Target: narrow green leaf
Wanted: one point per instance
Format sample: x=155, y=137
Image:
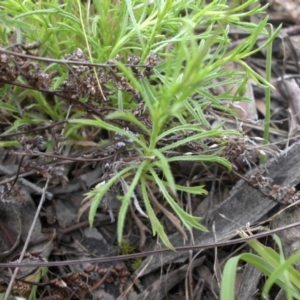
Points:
x=165, y=167
x=100, y=192
x=155, y=224
x=198, y=137
x=202, y=158
x=229, y=274
x=188, y=220
x=126, y=200
x=128, y=116
x=102, y=124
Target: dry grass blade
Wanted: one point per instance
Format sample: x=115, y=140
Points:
x=8, y=290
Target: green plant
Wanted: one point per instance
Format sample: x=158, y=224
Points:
x=188, y=69
x=136, y=263
x=273, y=265
x=126, y=247
x=184, y=65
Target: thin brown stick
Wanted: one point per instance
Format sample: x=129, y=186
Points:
x=65, y=62
x=148, y=253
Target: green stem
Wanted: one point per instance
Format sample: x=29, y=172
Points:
x=268, y=95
